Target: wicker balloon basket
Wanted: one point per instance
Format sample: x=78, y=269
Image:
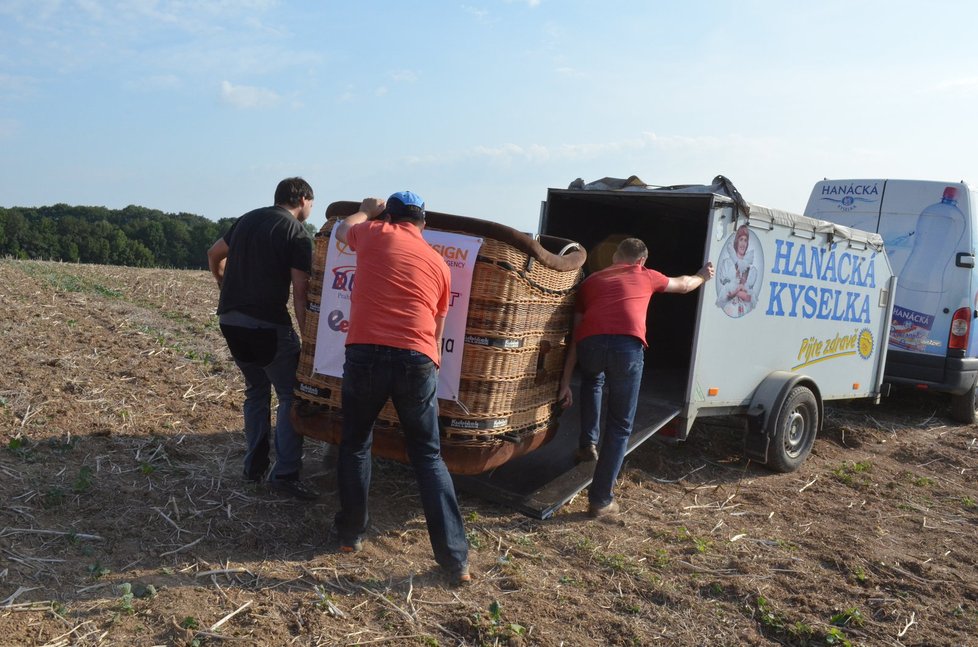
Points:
x=520, y=313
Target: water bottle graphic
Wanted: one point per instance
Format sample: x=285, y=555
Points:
x=921, y=281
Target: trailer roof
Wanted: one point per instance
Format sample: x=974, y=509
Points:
x=799, y=223
x=722, y=190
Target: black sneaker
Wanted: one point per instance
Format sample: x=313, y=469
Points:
x=255, y=475
x=253, y=478
x=293, y=488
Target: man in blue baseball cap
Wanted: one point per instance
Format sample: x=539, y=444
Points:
x=393, y=350
x=405, y=205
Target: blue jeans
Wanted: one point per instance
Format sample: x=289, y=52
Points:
x=615, y=361
x=260, y=377
x=371, y=374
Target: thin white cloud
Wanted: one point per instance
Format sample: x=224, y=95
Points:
x=381, y=91
x=233, y=60
x=965, y=83
x=247, y=96
x=482, y=15
x=28, y=12
x=404, y=76
x=92, y=7
x=192, y=15
x=233, y=36
x=536, y=153
x=508, y=154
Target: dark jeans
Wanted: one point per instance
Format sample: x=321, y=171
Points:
x=267, y=355
x=615, y=361
x=371, y=374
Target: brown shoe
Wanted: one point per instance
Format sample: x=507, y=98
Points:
x=459, y=576
x=586, y=454
x=609, y=510
x=354, y=546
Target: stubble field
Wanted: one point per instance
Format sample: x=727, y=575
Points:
x=124, y=521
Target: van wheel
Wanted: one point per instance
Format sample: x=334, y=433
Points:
x=794, y=431
x=963, y=407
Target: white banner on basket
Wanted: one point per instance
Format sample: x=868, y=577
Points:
x=459, y=252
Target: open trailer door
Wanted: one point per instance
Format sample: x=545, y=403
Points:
x=675, y=226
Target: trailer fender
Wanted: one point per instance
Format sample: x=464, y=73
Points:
x=765, y=407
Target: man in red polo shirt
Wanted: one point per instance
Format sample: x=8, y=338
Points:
x=399, y=303
x=609, y=347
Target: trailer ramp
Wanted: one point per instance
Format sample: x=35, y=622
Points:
x=538, y=483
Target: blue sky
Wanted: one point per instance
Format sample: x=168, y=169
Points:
x=479, y=105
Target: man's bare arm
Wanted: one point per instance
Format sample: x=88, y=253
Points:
x=684, y=284
x=300, y=288
x=439, y=331
x=564, y=395
x=216, y=256
x=370, y=208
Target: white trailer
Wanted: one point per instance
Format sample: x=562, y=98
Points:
x=798, y=314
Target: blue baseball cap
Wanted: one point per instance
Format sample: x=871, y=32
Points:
x=405, y=205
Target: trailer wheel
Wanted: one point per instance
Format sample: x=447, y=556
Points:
x=794, y=432
x=963, y=407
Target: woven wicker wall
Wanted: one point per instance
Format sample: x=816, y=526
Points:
x=520, y=314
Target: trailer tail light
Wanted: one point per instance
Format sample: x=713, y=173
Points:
x=960, y=329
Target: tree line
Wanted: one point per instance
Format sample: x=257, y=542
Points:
x=134, y=236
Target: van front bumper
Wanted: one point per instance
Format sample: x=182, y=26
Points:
x=955, y=375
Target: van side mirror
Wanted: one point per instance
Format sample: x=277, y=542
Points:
x=964, y=259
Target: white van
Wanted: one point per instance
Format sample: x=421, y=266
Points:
x=929, y=232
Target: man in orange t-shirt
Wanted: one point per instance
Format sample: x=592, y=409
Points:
x=609, y=346
x=399, y=303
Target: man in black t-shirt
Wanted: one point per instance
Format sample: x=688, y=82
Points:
x=264, y=253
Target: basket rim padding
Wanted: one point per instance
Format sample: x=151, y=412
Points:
x=573, y=257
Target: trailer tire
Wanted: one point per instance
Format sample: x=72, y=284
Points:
x=794, y=430
x=963, y=406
